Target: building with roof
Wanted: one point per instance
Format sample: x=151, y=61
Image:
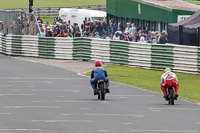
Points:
x=154, y=13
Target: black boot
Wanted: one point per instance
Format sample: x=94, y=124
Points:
x=95, y=91
x=107, y=90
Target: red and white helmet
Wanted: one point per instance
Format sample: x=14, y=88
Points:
x=97, y=63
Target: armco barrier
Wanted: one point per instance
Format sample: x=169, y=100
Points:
x=46, y=47
x=30, y=46
x=82, y=48
x=1, y=42
x=140, y=55
x=119, y=51
x=161, y=56
x=184, y=59
x=198, y=60
x=63, y=48
x=100, y=50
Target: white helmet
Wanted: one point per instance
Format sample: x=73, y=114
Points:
x=167, y=70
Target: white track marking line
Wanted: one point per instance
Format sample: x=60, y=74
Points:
x=123, y=115
x=127, y=123
x=16, y=107
x=17, y=94
x=155, y=110
x=37, y=101
x=191, y=109
x=85, y=108
x=20, y=129
x=5, y=85
x=76, y=101
x=198, y=123
x=39, y=78
x=103, y=130
x=54, y=90
x=73, y=121
x=60, y=96
x=5, y=113
x=66, y=114
x=31, y=86
x=174, y=131
x=131, y=95
x=28, y=81
x=123, y=97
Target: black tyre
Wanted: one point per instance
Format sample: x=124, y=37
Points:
x=102, y=92
x=171, y=96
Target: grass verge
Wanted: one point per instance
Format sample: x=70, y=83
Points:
x=13, y=4
x=189, y=85
x=193, y=1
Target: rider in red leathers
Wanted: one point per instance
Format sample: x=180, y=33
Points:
x=169, y=79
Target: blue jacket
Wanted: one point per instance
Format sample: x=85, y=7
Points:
x=98, y=73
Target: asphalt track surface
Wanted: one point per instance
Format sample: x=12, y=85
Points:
x=37, y=98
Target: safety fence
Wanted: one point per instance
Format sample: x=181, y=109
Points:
x=180, y=58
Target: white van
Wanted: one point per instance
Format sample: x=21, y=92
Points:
x=79, y=15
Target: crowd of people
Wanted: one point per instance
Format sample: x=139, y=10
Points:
x=99, y=29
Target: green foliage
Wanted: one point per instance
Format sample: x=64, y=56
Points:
x=13, y=4
x=193, y=1
x=189, y=85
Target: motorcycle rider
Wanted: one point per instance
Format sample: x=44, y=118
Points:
x=99, y=73
x=169, y=79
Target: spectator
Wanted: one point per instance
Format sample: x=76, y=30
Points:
x=76, y=31
x=137, y=37
x=59, y=20
x=109, y=37
x=132, y=31
x=1, y=27
x=128, y=37
x=153, y=37
x=39, y=19
x=120, y=33
x=162, y=39
x=62, y=34
x=41, y=34
x=148, y=37
x=116, y=36
x=49, y=33
x=63, y=27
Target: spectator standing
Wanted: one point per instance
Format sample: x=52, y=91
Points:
x=49, y=33
x=1, y=27
x=132, y=31
x=154, y=37
x=116, y=36
x=148, y=37
x=39, y=19
x=120, y=33
x=62, y=34
x=162, y=39
x=59, y=20
x=137, y=37
x=63, y=27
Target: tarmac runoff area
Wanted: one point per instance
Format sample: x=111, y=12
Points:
x=37, y=96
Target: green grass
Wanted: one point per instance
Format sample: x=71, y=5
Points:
x=189, y=85
x=13, y=4
x=193, y=1
x=49, y=19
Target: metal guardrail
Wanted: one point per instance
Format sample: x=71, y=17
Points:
x=180, y=58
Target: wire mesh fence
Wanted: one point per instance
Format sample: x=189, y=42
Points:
x=18, y=23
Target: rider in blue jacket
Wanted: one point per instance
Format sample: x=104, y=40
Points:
x=99, y=73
